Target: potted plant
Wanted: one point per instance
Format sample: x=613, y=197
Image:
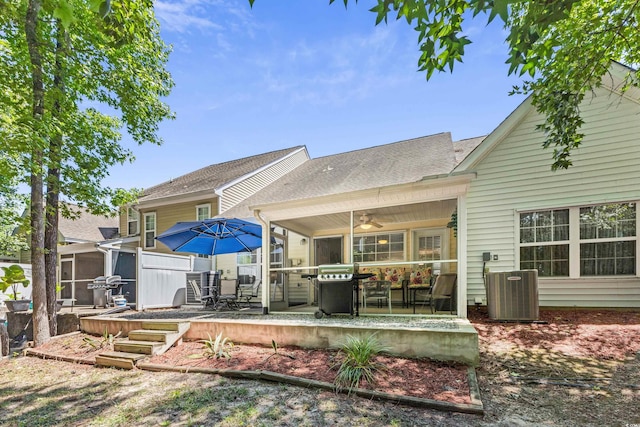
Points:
x=13, y=277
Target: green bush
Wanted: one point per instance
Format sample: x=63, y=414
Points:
x=358, y=363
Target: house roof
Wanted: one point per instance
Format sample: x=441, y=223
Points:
x=86, y=227
x=214, y=176
x=380, y=166
x=465, y=146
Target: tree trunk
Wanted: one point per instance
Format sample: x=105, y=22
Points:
x=53, y=185
x=40, y=321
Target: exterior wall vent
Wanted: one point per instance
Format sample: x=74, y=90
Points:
x=513, y=295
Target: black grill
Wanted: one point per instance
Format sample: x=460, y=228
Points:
x=338, y=289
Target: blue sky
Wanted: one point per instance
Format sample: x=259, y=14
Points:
x=303, y=72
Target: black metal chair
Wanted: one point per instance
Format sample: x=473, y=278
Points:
x=376, y=289
x=248, y=288
x=228, y=295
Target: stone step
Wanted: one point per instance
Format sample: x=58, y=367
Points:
x=152, y=335
x=141, y=347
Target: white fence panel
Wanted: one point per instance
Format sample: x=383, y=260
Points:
x=24, y=293
x=162, y=279
x=203, y=264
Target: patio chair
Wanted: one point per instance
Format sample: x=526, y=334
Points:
x=228, y=295
x=376, y=289
x=248, y=288
x=196, y=289
x=412, y=291
x=443, y=290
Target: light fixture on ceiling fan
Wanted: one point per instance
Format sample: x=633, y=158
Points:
x=366, y=222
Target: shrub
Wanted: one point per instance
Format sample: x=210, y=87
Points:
x=358, y=363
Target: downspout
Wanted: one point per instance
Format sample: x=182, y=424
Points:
x=266, y=283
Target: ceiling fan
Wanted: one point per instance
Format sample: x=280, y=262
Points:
x=366, y=222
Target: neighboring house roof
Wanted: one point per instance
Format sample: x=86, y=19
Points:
x=86, y=227
x=214, y=176
x=375, y=167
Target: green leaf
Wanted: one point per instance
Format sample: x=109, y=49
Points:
x=94, y=5
x=105, y=8
x=64, y=12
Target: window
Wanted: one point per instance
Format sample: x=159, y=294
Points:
x=244, y=258
x=150, y=230
x=378, y=247
x=427, y=247
x=583, y=241
x=607, y=240
x=203, y=212
x=132, y=222
x=544, y=239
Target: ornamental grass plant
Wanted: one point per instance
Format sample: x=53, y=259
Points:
x=358, y=362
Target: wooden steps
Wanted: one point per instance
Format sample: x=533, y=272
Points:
x=154, y=338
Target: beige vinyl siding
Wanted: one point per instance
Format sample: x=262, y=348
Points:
x=124, y=231
x=247, y=187
x=516, y=176
x=168, y=215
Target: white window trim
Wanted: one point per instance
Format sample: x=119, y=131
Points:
x=204, y=205
x=574, y=239
x=137, y=221
x=378, y=232
x=155, y=228
x=431, y=232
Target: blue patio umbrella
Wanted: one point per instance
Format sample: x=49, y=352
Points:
x=213, y=236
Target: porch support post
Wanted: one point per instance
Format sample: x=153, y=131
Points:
x=462, y=256
x=266, y=247
x=350, y=248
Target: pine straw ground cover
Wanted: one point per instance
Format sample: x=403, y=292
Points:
x=579, y=367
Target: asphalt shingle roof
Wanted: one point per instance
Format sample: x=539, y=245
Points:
x=213, y=176
x=464, y=147
x=87, y=227
x=380, y=166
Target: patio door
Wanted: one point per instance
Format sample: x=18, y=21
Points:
x=328, y=250
x=66, y=277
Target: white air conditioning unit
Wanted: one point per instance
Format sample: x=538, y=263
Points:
x=513, y=295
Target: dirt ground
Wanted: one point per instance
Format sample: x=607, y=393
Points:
x=571, y=368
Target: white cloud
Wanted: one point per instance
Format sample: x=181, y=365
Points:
x=183, y=15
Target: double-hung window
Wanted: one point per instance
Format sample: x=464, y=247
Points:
x=133, y=217
x=150, y=230
x=203, y=212
x=598, y=240
x=544, y=242
x=608, y=240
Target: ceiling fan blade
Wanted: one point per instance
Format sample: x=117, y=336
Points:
x=375, y=224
